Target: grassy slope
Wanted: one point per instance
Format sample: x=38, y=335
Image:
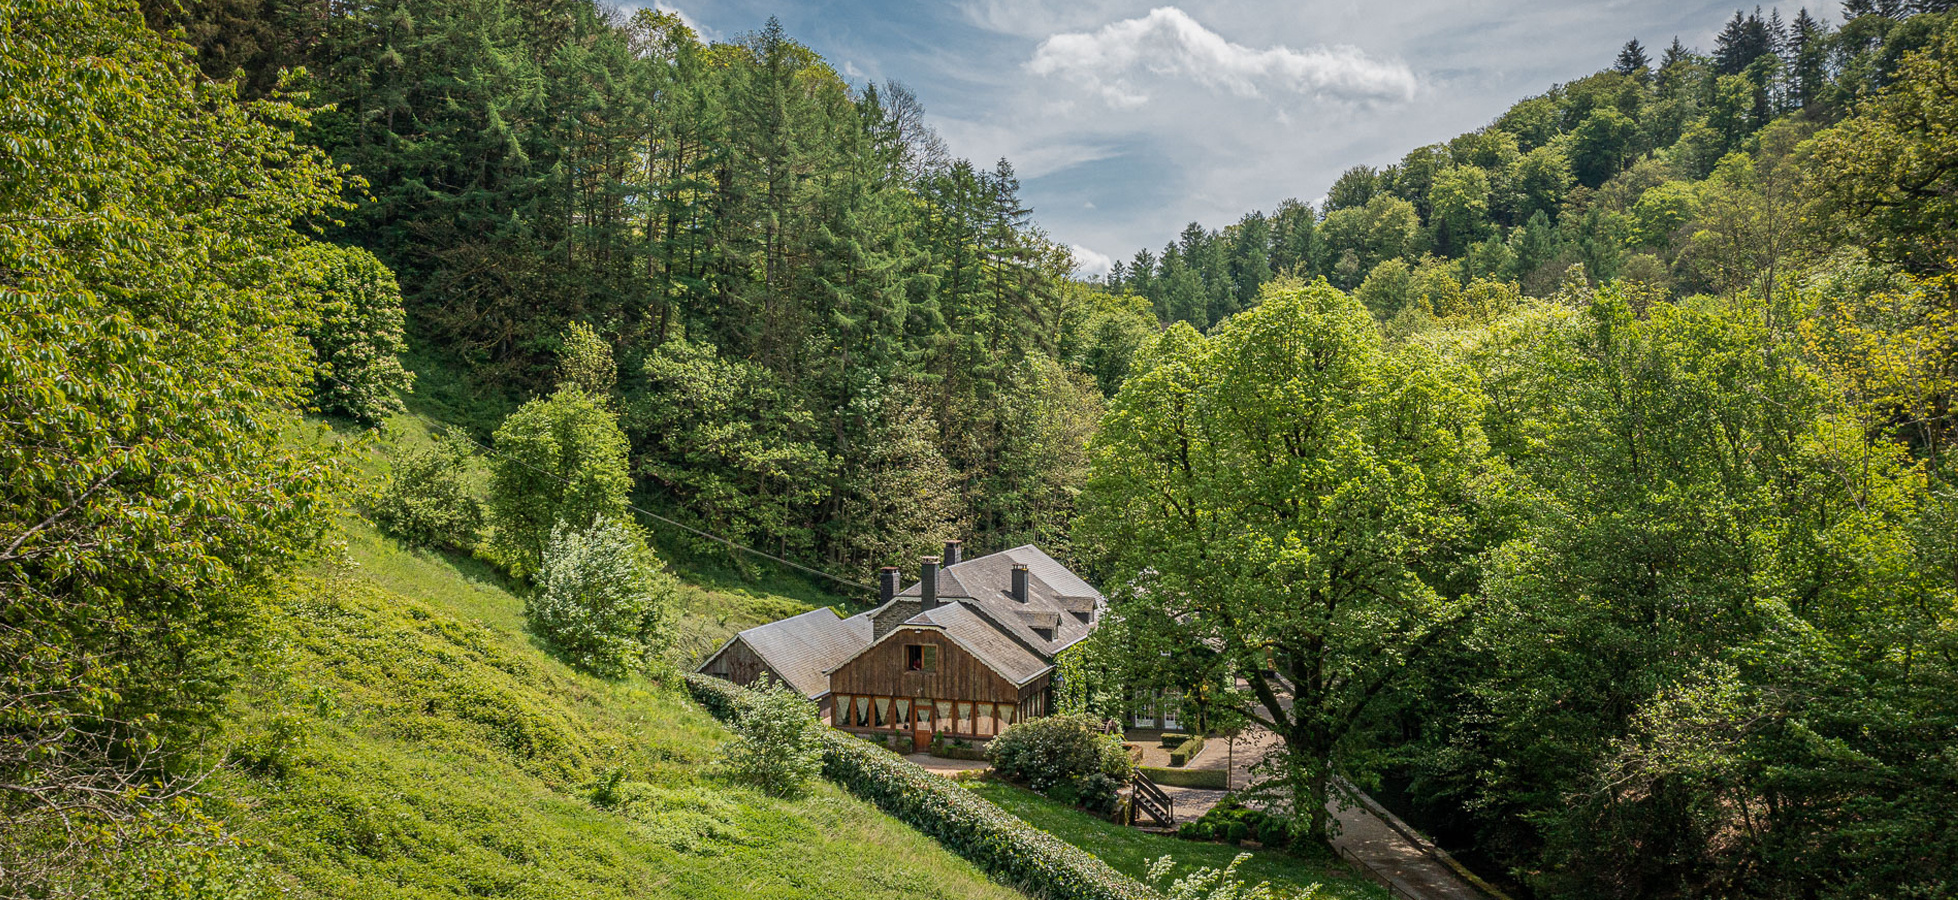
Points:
x=1131, y=851
x=408, y=740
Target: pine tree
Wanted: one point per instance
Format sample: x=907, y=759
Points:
x=1633, y=61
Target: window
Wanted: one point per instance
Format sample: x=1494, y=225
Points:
x=920, y=658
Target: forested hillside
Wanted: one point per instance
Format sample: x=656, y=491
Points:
x=833, y=340
x=1586, y=479
x=1583, y=483
x=1679, y=170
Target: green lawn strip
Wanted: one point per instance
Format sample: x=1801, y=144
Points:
x=1131, y=850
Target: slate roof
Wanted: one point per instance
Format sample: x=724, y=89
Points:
x=976, y=609
x=802, y=649
x=1054, y=594
x=978, y=636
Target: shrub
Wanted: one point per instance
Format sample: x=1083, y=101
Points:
x=998, y=842
x=1173, y=738
x=1275, y=832
x=1209, y=779
x=355, y=329
x=1098, y=792
x=558, y=459
x=777, y=743
x=1056, y=750
x=1186, y=751
x=603, y=600
x=427, y=501
x=1230, y=821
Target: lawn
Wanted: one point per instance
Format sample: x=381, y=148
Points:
x=1131, y=850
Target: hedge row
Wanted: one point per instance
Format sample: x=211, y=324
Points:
x=1186, y=751
x=1211, y=779
x=1008, y=849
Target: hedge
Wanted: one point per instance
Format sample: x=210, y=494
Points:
x=1005, y=847
x=1186, y=751
x=1212, y=779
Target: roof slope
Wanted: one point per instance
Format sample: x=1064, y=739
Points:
x=803, y=648
x=1054, y=595
x=1000, y=653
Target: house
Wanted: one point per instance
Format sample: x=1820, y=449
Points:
x=966, y=651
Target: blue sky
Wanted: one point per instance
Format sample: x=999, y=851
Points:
x=1127, y=120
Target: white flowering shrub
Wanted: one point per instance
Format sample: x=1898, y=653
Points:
x=603, y=599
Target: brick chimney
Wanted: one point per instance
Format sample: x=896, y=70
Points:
x=1020, y=583
x=887, y=585
x=953, y=556
x=928, y=583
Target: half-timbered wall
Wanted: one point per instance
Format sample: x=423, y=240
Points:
x=962, y=696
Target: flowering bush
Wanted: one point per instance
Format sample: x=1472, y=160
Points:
x=1065, y=757
x=603, y=599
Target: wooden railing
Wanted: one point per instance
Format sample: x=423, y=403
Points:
x=1146, y=796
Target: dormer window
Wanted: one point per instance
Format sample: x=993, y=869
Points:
x=920, y=658
x=1046, y=634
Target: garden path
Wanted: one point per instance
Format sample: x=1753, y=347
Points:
x=1368, y=834
x=941, y=766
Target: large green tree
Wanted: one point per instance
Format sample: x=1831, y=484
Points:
x=1289, y=494
x=558, y=459
x=152, y=295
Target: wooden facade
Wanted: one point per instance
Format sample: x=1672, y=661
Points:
x=739, y=663
x=882, y=689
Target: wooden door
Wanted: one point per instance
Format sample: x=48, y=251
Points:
x=921, y=729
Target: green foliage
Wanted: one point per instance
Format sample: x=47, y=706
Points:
x=1210, y=884
x=1090, y=678
x=777, y=743
x=585, y=362
x=552, y=177
x=603, y=599
x=1285, y=493
x=1186, y=750
x=1006, y=847
x=152, y=295
x=720, y=438
x=1893, y=172
x=1134, y=851
x=1232, y=822
x=558, y=459
x=429, y=499
x=1057, y=751
x=355, y=327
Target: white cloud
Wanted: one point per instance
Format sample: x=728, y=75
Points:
x=705, y=33
x=1169, y=43
x=1088, y=262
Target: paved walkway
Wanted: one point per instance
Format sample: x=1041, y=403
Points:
x=1394, y=852
x=1368, y=834
x=940, y=766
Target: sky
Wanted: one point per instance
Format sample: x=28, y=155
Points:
x=1127, y=120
